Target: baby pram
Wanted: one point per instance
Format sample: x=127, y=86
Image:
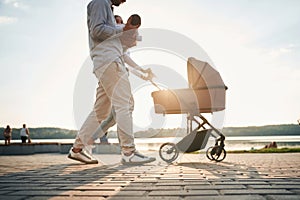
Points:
x=206, y=94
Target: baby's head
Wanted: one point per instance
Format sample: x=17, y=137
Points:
x=135, y=20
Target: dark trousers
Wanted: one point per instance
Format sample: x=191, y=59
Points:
x=23, y=138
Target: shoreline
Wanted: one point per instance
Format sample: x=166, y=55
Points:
x=269, y=150
x=113, y=148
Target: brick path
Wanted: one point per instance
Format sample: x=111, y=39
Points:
x=239, y=176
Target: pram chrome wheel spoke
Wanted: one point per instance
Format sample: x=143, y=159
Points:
x=216, y=153
x=168, y=152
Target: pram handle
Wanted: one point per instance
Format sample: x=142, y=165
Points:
x=141, y=76
x=155, y=84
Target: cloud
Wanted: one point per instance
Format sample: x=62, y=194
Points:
x=282, y=51
x=7, y=20
x=16, y=4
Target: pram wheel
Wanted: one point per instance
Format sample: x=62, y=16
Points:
x=168, y=152
x=216, y=153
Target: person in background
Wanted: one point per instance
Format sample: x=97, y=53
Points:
x=271, y=145
x=24, y=133
x=119, y=19
x=7, y=135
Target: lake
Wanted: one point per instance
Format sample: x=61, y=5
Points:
x=231, y=143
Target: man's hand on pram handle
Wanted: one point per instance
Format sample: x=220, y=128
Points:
x=149, y=77
x=150, y=74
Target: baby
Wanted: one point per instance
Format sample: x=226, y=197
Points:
x=129, y=38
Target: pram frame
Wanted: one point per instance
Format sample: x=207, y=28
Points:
x=170, y=151
x=191, y=119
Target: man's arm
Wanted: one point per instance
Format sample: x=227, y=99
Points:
x=98, y=28
x=131, y=63
x=135, y=68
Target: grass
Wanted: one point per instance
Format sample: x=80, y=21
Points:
x=269, y=150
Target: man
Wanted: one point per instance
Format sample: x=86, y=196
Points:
x=134, y=68
x=113, y=85
x=24, y=133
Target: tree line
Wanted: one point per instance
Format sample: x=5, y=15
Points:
x=59, y=133
x=43, y=133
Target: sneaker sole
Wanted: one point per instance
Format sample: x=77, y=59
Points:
x=137, y=163
x=92, y=162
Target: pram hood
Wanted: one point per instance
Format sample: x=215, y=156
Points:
x=202, y=75
x=206, y=92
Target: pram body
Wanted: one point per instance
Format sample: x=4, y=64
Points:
x=206, y=94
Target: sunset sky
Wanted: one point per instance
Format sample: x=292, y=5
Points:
x=255, y=46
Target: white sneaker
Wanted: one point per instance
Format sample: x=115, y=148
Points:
x=89, y=149
x=136, y=158
x=82, y=156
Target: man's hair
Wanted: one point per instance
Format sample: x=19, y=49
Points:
x=135, y=20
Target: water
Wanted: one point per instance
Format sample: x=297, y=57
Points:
x=231, y=143
x=258, y=142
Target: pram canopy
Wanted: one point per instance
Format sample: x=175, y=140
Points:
x=202, y=75
x=206, y=92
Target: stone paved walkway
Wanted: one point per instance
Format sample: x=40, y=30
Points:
x=193, y=176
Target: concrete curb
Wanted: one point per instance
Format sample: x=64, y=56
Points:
x=63, y=148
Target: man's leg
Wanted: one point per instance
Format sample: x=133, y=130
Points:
x=84, y=137
x=89, y=126
x=117, y=87
x=101, y=131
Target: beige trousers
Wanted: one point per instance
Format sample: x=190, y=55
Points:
x=113, y=90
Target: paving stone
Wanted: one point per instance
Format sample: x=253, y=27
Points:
x=192, y=182
x=296, y=191
x=130, y=193
x=104, y=193
x=89, y=193
x=92, y=187
x=274, y=186
x=64, y=198
x=8, y=197
x=232, y=182
x=175, y=183
x=4, y=192
x=145, y=198
x=146, y=180
x=184, y=193
x=28, y=188
x=151, y=188
x=37, y=193
x=214, y=187
x=257, y=191
x=284, y=183
x=283, y=197
x=229, y=197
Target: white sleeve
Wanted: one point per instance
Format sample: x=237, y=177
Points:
x=130, y=62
